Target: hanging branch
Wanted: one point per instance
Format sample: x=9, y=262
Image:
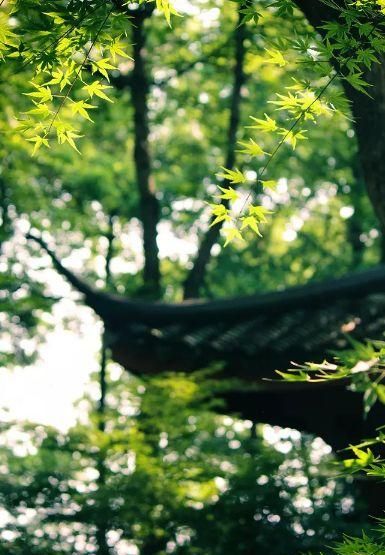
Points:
x=368, y=111
x=196, y=277
x=78, y=72
x=76, y=282
x=301, y=107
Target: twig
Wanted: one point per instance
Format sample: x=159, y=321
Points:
x=56, y=41
x=78, y=73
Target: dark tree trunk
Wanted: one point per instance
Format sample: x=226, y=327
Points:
x=368, y=113
x=369, y=121
x=152, y=546
x=382, y=247
x=102, y=526
x=101, y=541
x=110, y=236
x=354, y=225
x=5, y=223
x=149, y=205
x=369, y=118
x=195, y=279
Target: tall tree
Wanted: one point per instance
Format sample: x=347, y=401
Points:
x=196, y=276
x=149, y=205
x=367, y=109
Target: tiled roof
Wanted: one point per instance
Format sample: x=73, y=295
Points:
x=249, y=338
x=253, y=335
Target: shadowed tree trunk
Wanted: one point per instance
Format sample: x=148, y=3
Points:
x=382, y=247
x=153, y=545
x=369, y=122
x=149, y=205
x=369, y=116
x=4, y=215
x=368, y=113
x=196, y=277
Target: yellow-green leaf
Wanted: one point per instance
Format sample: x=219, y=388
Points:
x=228, y=193
x=97, y=89
x=268, y=184
x=102, y=66
x=81, y=108
x=276, y=57
x=234, y=176
x=221, y=213
x=266, y=125
x=259, y=212
x=251, y=148
x=38, y=143
x=251, y=222
x=230, y=234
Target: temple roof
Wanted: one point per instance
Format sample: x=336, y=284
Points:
x=250, y=337
x=257, y=333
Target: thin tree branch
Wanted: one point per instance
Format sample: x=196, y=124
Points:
x=125, y=81
x=188, y=66
x=76, y=282
x=101, y=527
x=103, y=358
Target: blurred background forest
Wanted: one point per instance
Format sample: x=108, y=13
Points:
x=149, y=465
